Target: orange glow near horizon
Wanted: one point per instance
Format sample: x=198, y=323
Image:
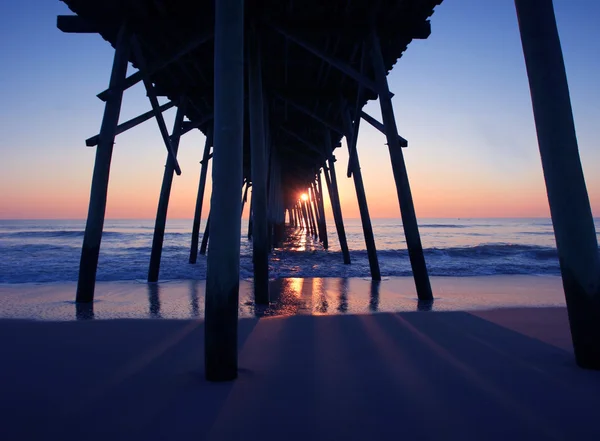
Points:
x=304, y=197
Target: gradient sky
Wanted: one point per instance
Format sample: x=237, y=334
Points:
x=461, y=99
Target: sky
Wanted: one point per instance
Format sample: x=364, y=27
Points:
x=461, y=99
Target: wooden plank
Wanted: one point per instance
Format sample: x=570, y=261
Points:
x=73, y=24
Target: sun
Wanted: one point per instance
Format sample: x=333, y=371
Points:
x=304, y=197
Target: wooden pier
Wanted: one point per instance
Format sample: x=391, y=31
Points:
x=275, y=86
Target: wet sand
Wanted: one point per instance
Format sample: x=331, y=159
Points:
x=316, y=296
x=492, y=374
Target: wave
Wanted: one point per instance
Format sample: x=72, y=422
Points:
x=444, y=226
x=50, y=234
x=53, y=263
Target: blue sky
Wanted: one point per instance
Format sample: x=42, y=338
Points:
x=461, y=99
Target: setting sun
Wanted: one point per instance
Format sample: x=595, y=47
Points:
x=304, y=197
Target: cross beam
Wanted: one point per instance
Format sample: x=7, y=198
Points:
x=379, y=126
x=306, y=111
x=135, y=78
x=307, y=143
x=137, y=51
x=338, y=64
x=93, y=141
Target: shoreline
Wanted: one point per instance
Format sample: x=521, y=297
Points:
x=184, y=299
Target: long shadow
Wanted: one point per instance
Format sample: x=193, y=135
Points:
x=154, y=300
x=343, y=296
x=374, y=299
x=84, y=311
x=194, y=301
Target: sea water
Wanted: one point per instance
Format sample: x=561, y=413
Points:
x=49, y=250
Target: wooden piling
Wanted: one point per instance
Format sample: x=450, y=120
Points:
x=361, y=198
x=163, y=201
x=336, y=208
x=250, y=216
x=205, y=237
x=407, y=208
x=308, y=226
x=322, y=211
x=313, y=206
x=317, y=211
x=311, y=216
x=95, y=220
x=200, y=198
x=223, y=269
x=260, y=244
x=572, y=218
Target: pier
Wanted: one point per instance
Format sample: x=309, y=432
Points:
x=275, y=86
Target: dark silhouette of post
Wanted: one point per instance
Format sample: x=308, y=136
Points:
x=336, y=208
x=361, y=198
x=163, y=201
x=200, y=198
x=319, y=187
x=97, y=208
x=205, y=236
x=407, y=208
x=313, y=207
x=250, y=216
x=223, y=268
x=260, y=250
x=307, y=225
x=311, y=215
x=572, y=219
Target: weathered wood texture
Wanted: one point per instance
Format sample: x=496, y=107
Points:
x=163, y=202
x=574, y=228
x=97, y=208
x=200, y=198
x=223, y=266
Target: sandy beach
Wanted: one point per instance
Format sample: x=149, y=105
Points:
x=487, y=373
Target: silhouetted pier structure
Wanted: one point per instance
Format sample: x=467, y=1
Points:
x=275, y=85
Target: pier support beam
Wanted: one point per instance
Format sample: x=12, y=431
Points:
x=311, y=215
x=200, y=198
x=322, y=211
x=361, y=198
x=163, y=201
x=205, y=236
x=251, y=215
x=223, y=268
x=97, y=208
x=336, y=207
x=572, y=219
x=407, y=208
x=260, y=243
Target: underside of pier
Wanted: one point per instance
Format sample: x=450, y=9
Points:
x=275, y=85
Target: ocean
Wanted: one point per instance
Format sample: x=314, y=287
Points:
x=41, y=251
